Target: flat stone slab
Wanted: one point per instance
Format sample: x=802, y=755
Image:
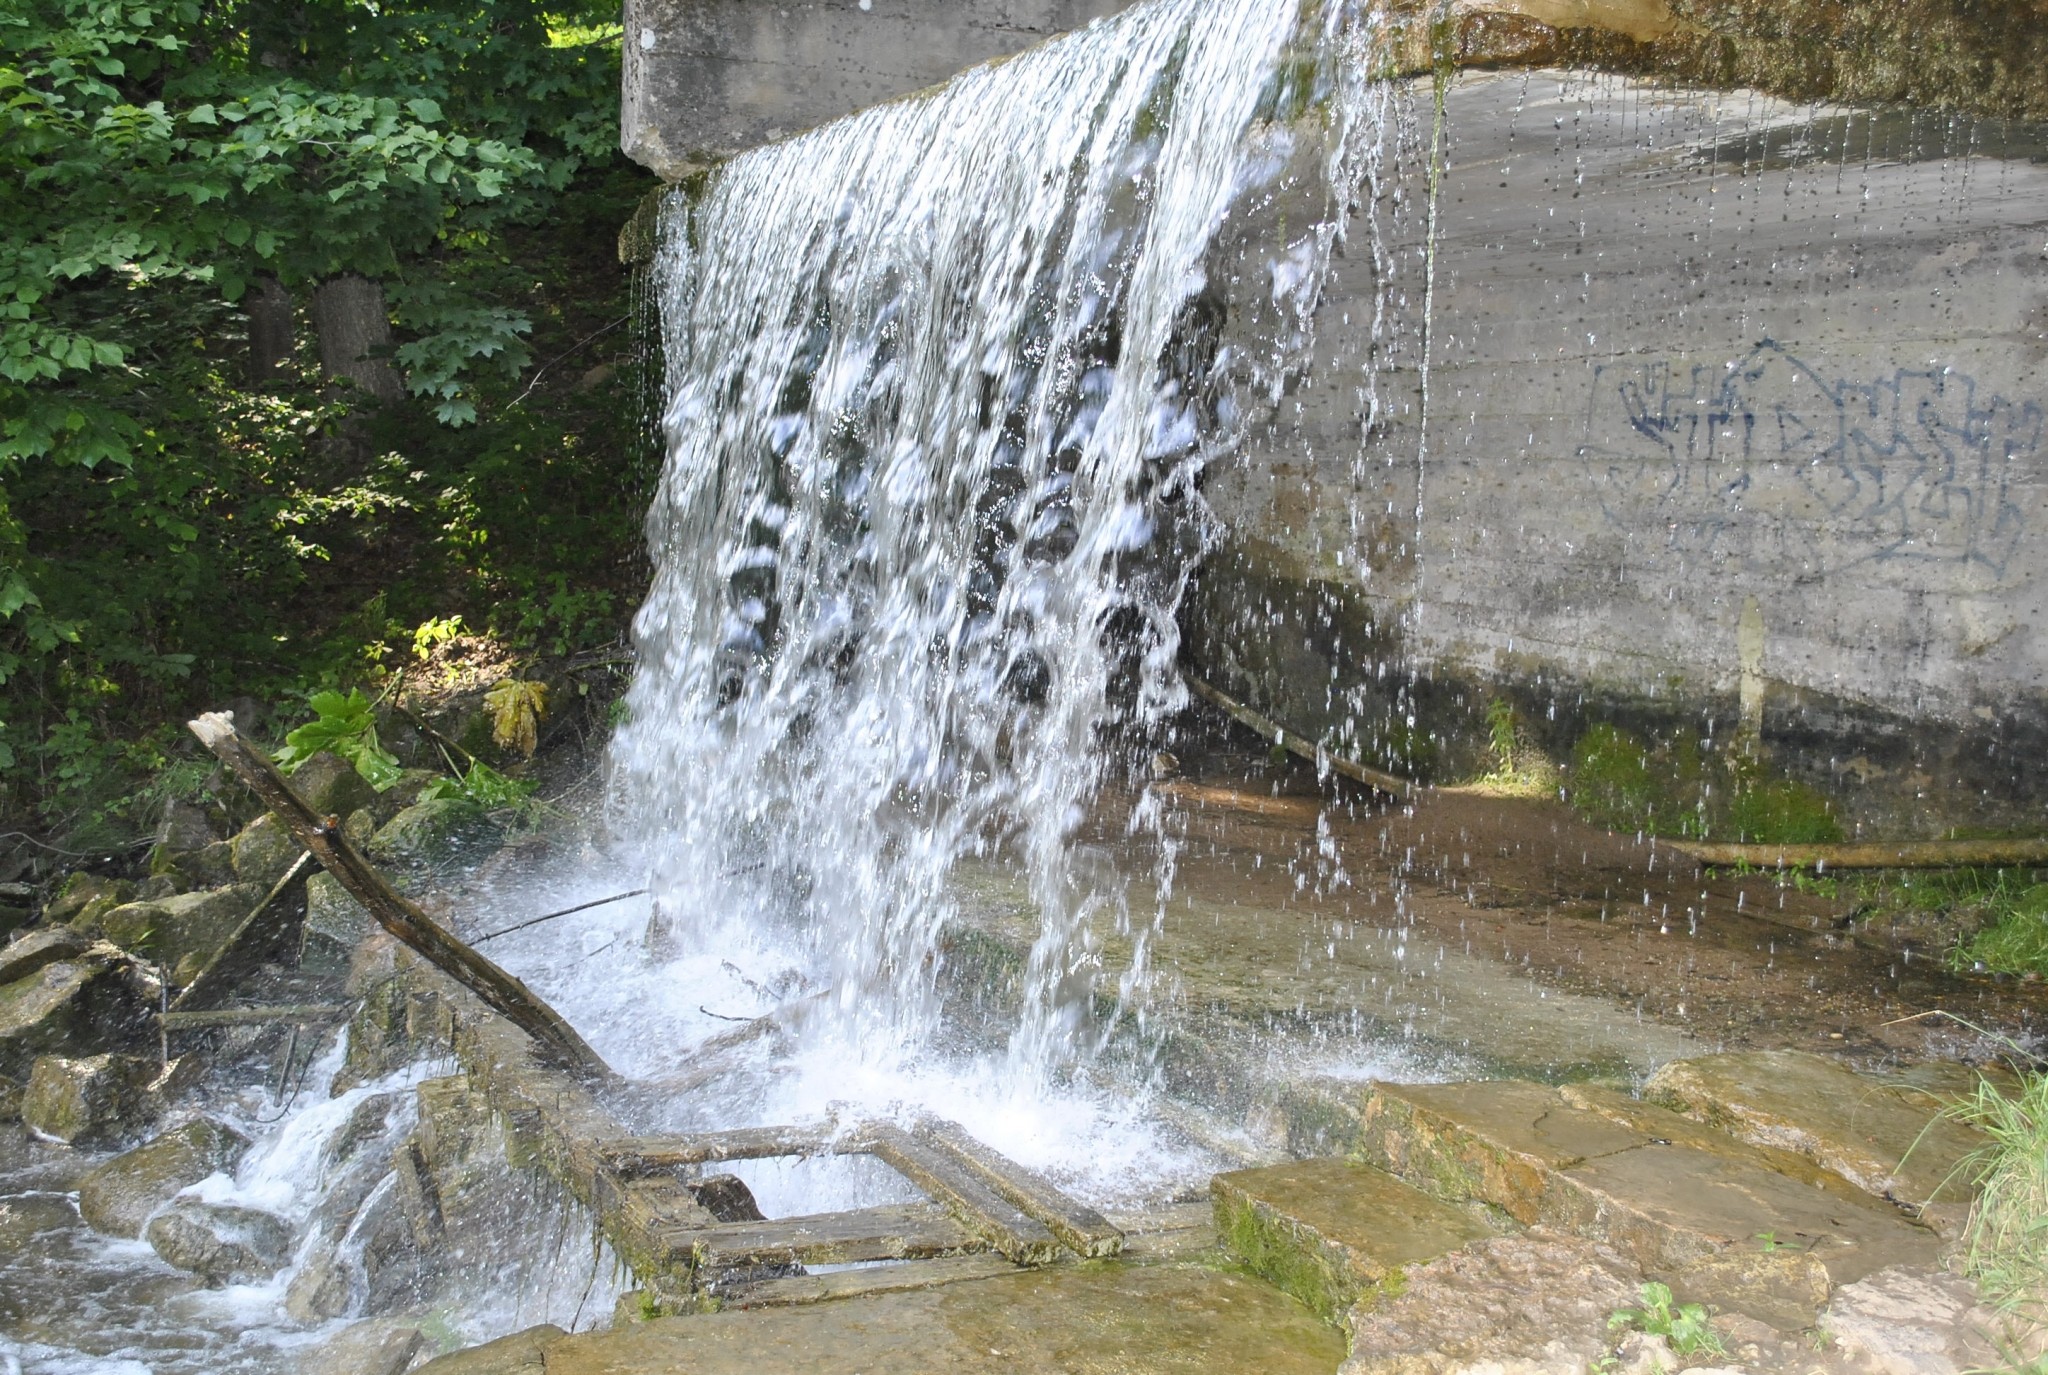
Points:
x=1760, y=1231
x=1331, y=1232
x=1887, y=1138
x=1099, y=1318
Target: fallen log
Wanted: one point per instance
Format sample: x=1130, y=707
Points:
x=555, y=1039
x=1907, y=854
x=1298, y=744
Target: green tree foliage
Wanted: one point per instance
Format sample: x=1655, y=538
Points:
x=175, y=528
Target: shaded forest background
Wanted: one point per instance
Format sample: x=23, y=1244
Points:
x=314, y=351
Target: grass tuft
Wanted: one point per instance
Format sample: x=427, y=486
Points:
x=2005, y=1243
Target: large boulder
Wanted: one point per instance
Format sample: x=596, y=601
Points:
x=169, y=930
x=10, y=1099
x=32, y=952
x=87, y=1100
x=263, y=851
x=85, y=898
x=79, y=1006
x=447, y=830
x=17, y=907
x=219, y=1242
x=117, y=1197
x=330, y=785
x=187, y=826
x=333, y=917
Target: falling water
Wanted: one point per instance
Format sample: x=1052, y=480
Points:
x=942, y=377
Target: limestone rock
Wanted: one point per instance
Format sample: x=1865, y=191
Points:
x=186, y=826
x=427, y=834
x=263, y=851
x=210, y=866
x=331, y=913
x=219, y=1242
x=330, y=785
x=1911, y=1321
x=187, y=924
x=380, y=1346
x=118, y=1196
x=1888, y=1139
x=32, y=952
x=1530, y=1303
x=1329, y=1231
x=522, y=1353
x=10, y=1099
x=404, y=793
x=81, y=1101
x=84, y=896
x=80, y=1006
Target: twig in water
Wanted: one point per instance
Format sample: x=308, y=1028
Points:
x=722, y=1017
x=580, y=907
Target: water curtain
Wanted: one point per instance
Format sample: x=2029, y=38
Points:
x=941, y=379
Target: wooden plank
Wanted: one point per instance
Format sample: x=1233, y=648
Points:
x=1084, y=1231
x=653, y=1154
x=1910, y=854
x=1016, y=1234
x=396, y=913
x=253, y=1016
x=901, y=1231
x=1299, y=744
x=256, y=938
x=796, y=1290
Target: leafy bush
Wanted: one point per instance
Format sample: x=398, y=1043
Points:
x=346, y=725
x=1685, y=1326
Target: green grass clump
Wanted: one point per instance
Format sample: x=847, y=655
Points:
x=1612, y=780
x=1781, y=811
x=2006, y=1239
x=2016, y=940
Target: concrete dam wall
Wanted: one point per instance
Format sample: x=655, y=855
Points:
x=1734, y=435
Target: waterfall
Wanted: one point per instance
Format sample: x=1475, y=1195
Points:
x=941, y=379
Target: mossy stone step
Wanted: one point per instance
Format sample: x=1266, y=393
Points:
x=1890, y=1139
x=1331, y=1232
x=1723, y=1221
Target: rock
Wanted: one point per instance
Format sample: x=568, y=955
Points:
x=88, y=1100
x=1330, y=1231
x=263, y=851
x=10, y=1099
x=219, y=1242
x=522, y=1353
x=360, y=828
x=187, y=924
x=210, y=866
x=1686, y=1206
x=1909, y=1321
x=32, y=952
x=84, y=898
x=404, y=793
x=1530, y=1303
x=333, y=914
x=427, y=834
x=14, y=917
x=1890, y=1140
x=380, y=1346
x=76, y=1007
x=117, y=1197
x=186, y=826
x=369, y=1121
x=330, y=785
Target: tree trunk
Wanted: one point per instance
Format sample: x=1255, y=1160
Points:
x=271, y=333
x=351, y=321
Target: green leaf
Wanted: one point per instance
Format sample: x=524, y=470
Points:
x=424, y=110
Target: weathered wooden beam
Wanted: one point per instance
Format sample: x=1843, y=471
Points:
x=395, y=912
x=253, y=1016
x=254, y=940
x=1006, y=1227
x=898, y=1231
x=1298, y=744
x=1907, y=854
x=654, y=1154
x=1084, y=1231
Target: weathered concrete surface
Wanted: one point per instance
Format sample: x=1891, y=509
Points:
x=707, y=78
x=1332, y=1231
x=1103, y=1318
x=1736, y=432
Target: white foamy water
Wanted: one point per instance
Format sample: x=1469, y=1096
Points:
x=942, y=377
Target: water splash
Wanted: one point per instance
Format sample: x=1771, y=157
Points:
x=942, y=377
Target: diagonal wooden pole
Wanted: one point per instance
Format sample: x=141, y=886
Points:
x=556, y=1040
